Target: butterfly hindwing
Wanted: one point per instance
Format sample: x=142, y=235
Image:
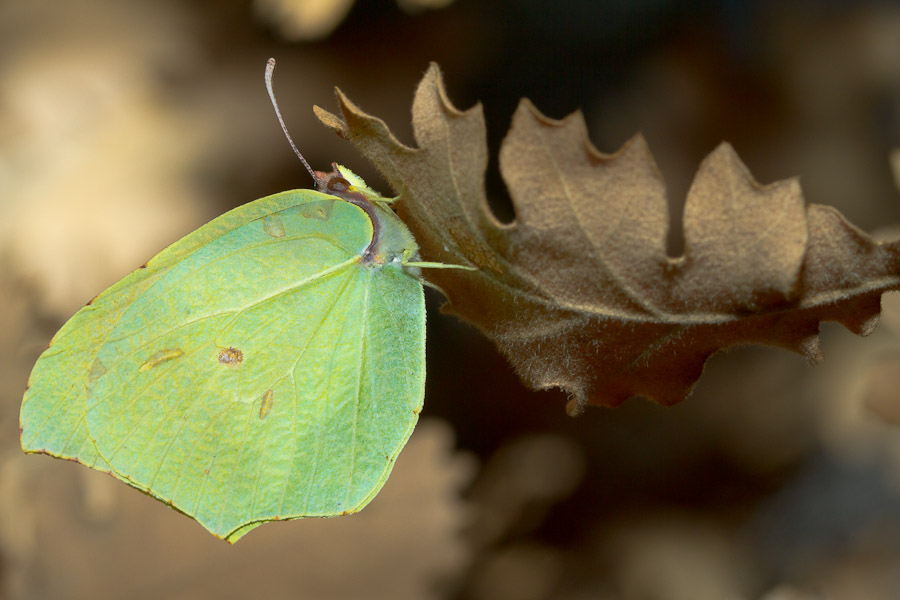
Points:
x=254, y=370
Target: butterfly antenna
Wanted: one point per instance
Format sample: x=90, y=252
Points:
x=270, y=70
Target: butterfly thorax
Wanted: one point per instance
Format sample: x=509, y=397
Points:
x=396, y=245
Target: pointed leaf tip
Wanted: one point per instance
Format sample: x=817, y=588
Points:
x=332, y=121
x=432, y=85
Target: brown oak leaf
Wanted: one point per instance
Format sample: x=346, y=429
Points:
x=578, y=292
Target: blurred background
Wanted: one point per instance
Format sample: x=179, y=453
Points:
x=124, y=125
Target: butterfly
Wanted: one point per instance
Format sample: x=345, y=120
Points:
x=268, y=366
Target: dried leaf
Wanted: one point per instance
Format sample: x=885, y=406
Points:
x=578, y=291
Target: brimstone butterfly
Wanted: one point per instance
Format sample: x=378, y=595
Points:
x=270, y=365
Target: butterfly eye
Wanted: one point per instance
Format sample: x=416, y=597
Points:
x=338, y=184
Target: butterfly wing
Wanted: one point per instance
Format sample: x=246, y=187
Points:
x=52, y=418
x=256, y=372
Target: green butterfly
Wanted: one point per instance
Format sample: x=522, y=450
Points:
x=268, y=366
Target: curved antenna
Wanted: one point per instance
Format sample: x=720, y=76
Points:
x=270, y=70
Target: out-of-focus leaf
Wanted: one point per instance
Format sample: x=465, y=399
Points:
x=304, y=19
x=317, y=19
x=415, y=6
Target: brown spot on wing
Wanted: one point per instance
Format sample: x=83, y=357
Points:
x=231, y=357
x=266, y=405
x=98, y=370
x=160, y=357
x=273, y=226
x=320, y=211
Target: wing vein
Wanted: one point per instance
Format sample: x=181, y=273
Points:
x=364, y=314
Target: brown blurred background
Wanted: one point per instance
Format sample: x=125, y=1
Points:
x=126, y=124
